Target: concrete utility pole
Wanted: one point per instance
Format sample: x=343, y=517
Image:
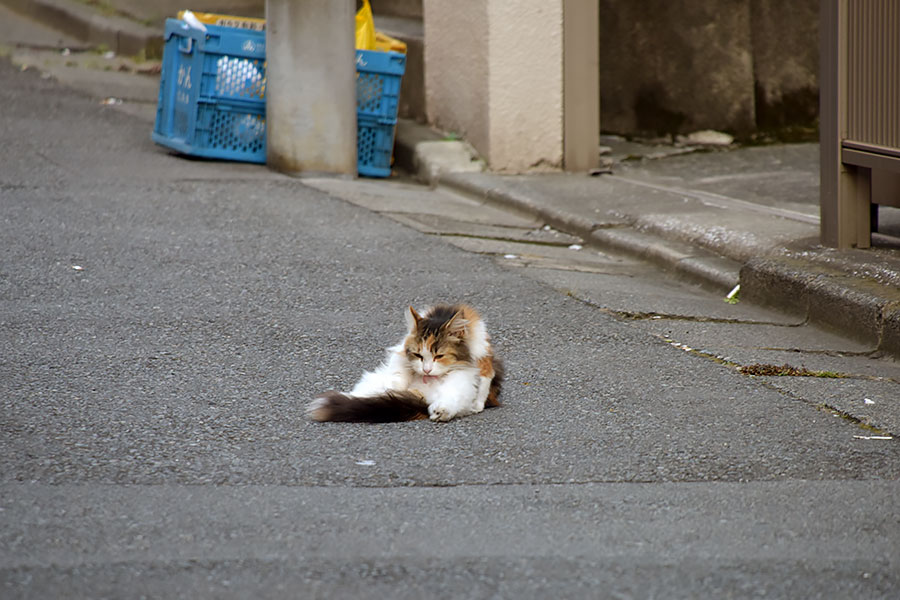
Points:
x=311, y=86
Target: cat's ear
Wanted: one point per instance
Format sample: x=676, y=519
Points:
x=457, y=325
x=412, y=319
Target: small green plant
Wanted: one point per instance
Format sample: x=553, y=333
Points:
x=732, y=297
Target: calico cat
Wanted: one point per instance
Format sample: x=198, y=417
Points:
x=444, y=368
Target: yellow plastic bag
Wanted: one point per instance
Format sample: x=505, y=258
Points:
x=365, y=28
x=386, y=43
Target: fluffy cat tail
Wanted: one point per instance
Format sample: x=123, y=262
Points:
x=389, y=407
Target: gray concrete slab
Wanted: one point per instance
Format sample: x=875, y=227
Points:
x=408, y=198
x=438, y=224
x=783, y=175
x=578, y=210
x=541, y=255
x=650, y=293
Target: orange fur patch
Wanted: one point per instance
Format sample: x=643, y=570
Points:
x=486, y=366
x=486, y=369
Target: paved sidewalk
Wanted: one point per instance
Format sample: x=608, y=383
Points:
x=720, y=217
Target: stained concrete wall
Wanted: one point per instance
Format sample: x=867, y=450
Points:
x=675, y=66
x=785, y=39
x=494, y=75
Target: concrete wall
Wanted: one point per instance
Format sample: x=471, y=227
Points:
x=785, y=38
x=457, y=89
x=675, y=66
x=494, y=75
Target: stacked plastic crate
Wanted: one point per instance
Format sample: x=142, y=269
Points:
x=378, y=76
x=212, y=97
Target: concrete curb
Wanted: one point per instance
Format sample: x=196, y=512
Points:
x=119, y=34
x=698, y=265
x=691, y=262
x=859, y=308
x=555, y=218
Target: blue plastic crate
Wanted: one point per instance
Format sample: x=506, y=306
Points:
x=212, y=97
x=374, y=144
x=378, y=78
x=222, y=63
x=222, y=130
x=212, y=93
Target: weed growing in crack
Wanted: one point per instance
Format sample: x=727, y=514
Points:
x=761, y=370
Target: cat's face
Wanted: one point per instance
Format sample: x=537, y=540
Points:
x=431, y=355
x=436, y=345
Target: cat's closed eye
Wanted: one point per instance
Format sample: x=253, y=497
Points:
x=438, y=356
x=416, y=354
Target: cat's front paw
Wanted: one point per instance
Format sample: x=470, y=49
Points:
x=440, y=413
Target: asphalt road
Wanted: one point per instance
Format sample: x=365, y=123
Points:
x=163, y=322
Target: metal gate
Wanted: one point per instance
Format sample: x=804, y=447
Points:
x=859, y=92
